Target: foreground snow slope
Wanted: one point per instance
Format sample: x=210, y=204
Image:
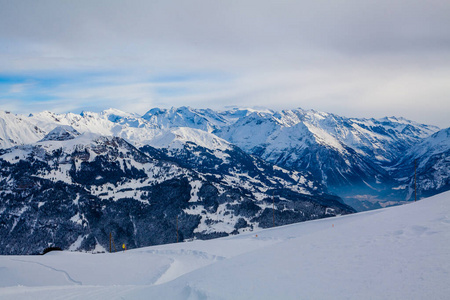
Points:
x=394, y=253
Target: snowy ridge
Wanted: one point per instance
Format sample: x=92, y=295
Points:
x=333, y=130
x=377, y=136
x=204, y=119
x=437, y=143
x=17, y=130
x=238, y=126
x=110, y=122
x=394, y=253
x=355, y=158
x=176, y=137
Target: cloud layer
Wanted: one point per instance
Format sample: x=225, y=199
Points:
x=355, y=58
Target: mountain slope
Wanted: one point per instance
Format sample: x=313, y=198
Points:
x=17, y=130
x=61, y=133
x=350, y=156
x=204, y=119
x=72, y=192
x=431, y=158
x=224, y=164
x=394, y=253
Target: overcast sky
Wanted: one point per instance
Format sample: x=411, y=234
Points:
x=354, y=58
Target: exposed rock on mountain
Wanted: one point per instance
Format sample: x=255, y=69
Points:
x=431, y=161
x=72, y=193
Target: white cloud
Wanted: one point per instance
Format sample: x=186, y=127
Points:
x=20, y=87
x=359, y=58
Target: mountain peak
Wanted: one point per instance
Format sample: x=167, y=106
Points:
x=61, y=133
x=175, y=137
x=154, y=111
x=115, y=115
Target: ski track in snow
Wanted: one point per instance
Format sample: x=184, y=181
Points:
x=69, y=278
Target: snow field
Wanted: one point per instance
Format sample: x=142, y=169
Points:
x=400, y=252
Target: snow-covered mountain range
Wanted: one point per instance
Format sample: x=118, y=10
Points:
x=353, y=157
x=219, y=171
x=71, y=190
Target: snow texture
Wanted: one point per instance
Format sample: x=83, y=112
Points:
x=400, y=252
